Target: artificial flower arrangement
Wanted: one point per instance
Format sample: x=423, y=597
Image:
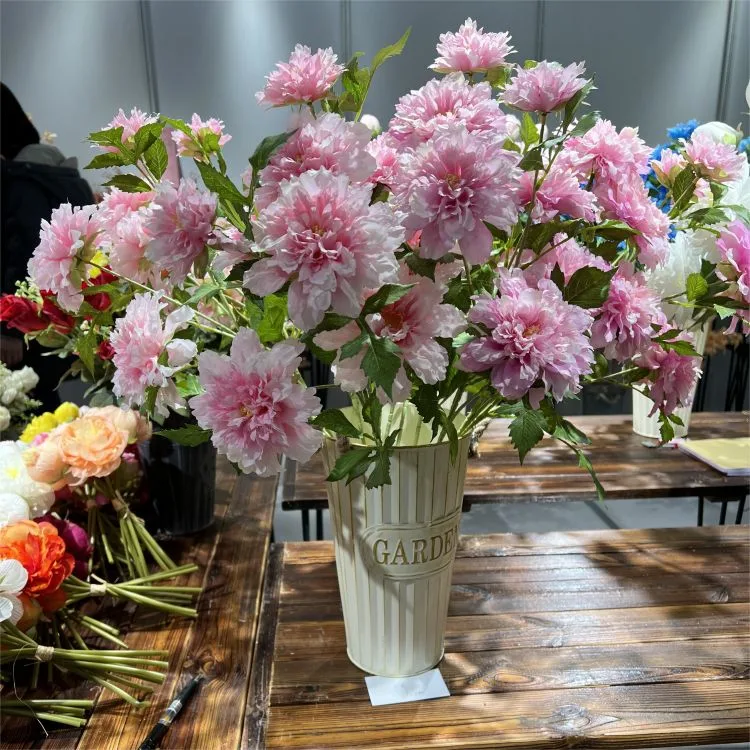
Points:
x=485, y=254
x=67, y=536
x=15, y=402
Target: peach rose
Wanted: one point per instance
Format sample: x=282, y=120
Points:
x=135, y=424
x=91, y=446
x=44, y=462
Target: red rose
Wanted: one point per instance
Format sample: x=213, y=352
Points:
x=21, y=313
x=105, y=350
x=100, y=301
x=60, y=320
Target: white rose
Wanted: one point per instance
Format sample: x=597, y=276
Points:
x=9, y=396
x=12, y=508
x=15, y=478
x=28, y=378
x=4, y=418
x=371, y=122
x=719, y=132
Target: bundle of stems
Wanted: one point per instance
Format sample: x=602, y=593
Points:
x=68, y=623
x=173, y=600
x=126, y=673
x=71, y=712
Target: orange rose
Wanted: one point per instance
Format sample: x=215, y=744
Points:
x=136, y=425
x=91, y=446
x=41, y=551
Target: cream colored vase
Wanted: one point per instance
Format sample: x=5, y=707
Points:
x=648, y=426
x=395, y=547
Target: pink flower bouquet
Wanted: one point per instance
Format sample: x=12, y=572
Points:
x=484, y=256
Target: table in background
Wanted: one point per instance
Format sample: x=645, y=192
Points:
x=626, y=467
x=625, y=638
x=232, y=556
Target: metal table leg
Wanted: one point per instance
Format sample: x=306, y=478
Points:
x=700, y=510
x=740, y=511
x=319, y=524
x=305, y=525
x=723, y=515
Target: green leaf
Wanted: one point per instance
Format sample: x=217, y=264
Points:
x=177, y=125
x=335, y=420
x=333, y=321
x=146, y=137
x=110, y=137
x=685, y=348
x=381, y=471
x=526, y=430
x=386, y=295
x=381, y=363
x=188, y=384
x=568, y=431
x=156, y=158
x=742, y=212
x=529, y=132
x=265, y=150
x=86, y=348
x=203, y=291
x=191, y=435
x=587, y=287
x=450, y=431
x=497, y=77
x=149, y=403
x=557, y=277
x=666, y=431
x=683, y=188
x=128, y=183
x=350, y=348
x=697, y=286
x=104, y=161
x=421, y=266
x=220, y=184
x=532, y=160
x=529, y=64
x=723, y=312
x=391, y=50
x=427, y=402
x=585, y=124
x=573, y=104
x=584, y=463
x=355, y=81
x=271, y=327
x=707, y=216
x=351, y=461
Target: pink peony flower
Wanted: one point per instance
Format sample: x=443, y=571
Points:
x=127, y=251
x=536, y=342
x=231, y=245
x=117, y=204
x=545, y=87
x=180, y=226
x=253, y=406
x=451, y=185
x=568, y=255
x=324, y=236
x=627, y=200
x=130, y=125
x=330, y=142
x=470, y=50
x=66, y=242
x=607, y=154
x=139, y=339
x=194, y=145
x=384, y=149
x=676, y=375
x=734, y=247
x=715, y=160
x=668, y=166
x=305, y=78
x=559, y=193
x=445, y=102
x=623, y=326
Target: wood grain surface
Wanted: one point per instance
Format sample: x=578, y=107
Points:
x=596, y=639
x=626, y=464
x=232, y=556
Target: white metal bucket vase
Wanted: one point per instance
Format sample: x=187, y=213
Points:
x=395, y=547
x=648, y=426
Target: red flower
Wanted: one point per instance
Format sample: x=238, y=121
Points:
x=60, y=320
x=102, y=300
x=21, y=313
x=105, y=350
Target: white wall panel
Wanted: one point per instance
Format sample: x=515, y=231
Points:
x=72, y=64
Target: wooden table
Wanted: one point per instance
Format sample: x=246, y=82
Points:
x=232, y=556
x=596, y=639
x=624, y=464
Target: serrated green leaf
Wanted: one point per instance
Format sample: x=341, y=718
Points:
x=497, y=77
x=203, y=291
x=723, y=312
x=354, y=460
x=146, y=136
x=568, y=431
x=271, y=327
x=557, y=277
x=386, y=295
x=220, y=184
x=176, y=124
x=353, y=347
x=265, y=150
x=696, y=286
x=106, y=160
x=381, y=470
x=156, y=158
x=743, y=212
x=587, y=287
x=188, y=384
x=336, y=421
x=683, y=188
x=585, y=463
x=452, y=433
x=529, y=64
x=532, y=160
x=128, y=183
x=390, y=50
x=526, y=430
x=685, y=348
x=529, y=132
x=573, y=104
x=427, y=403
x=381, y=363
x=666, y=431
x=191, y=435
x=109, y=137
x=585, y=124
x=86, y=346
x=421, y=266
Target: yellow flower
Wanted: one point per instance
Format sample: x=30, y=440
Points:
x=43, y=423
x=100, y=259
x=66, y=412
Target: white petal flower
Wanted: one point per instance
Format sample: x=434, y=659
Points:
x=4, y=418
x=12, y=508
x=14, y=478
x=13, y=577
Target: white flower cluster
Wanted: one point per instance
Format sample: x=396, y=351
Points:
x=14, y=388
x=21, y=497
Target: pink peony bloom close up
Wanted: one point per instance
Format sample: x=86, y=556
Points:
x=559, y=193
x=734, y=266
x=306, y=78
x=324, y=236
x=130, y=125
x=231, y=245
x=66, y=242
x=536, y=344
x=128, y=243
x=138, y=340
x=180, y=226
x=717, y=161
x=329, y=142
x=451, y=185
x=384, y=149
x=623, y=326
x=668, y=166
x=471, y=50
x=253, y=406
x=545, y=87
x=198, y=142
x=448, y=101
x=568, y=255
x=117, y=204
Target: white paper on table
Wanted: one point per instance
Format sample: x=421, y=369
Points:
x=387, y=690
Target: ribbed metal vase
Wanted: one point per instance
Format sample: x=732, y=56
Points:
x=395, y=547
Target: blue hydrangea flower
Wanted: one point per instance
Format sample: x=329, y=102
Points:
x=682, y=129
x=744, y=146
x=656, y=153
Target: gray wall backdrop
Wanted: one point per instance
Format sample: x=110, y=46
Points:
x=72, y=63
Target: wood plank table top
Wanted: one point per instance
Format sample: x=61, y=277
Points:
x=626, y=467
x=595, y=639
x=232, y=556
